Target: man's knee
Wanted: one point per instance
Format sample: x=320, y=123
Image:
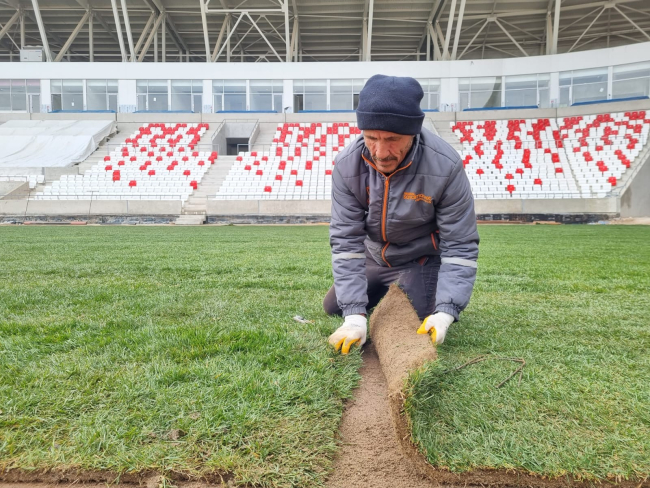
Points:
x=330, y=304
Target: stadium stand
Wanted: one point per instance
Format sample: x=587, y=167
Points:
x=581, y=157
x=298, y=165
x=157, y=162
x=32, y=180
x=572, y=157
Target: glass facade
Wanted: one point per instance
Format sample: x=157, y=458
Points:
x=527, y=90
x=309, y=95
x=266, y=95
x=588, y=85
x=344, y=94
x=153, y=95
x=631, y=80
x=187, y=95
x=101, y=95
x=431, y=99
x=20, y=95
x=229, y=95
x=480, y=92
x=67, y=94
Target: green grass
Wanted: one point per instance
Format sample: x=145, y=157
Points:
x=574, y=302
x=172, y=349
x=114, y=339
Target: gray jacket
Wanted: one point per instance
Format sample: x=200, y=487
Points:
x=424, y=208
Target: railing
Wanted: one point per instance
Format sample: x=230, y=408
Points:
x=93, y=196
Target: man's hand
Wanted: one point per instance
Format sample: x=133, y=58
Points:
x=353, y=331
x=437, y=324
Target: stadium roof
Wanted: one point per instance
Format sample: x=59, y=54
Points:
x=317, y=30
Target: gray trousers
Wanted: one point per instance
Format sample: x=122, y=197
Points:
x=418, y=279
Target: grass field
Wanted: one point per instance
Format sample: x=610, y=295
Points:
x=574, y=302
x=174, y=349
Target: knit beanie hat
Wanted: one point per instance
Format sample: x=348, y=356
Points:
x=391, y=103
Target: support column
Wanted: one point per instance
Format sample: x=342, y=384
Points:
x=556, y=26
x=91, y=39
x=206, y=38
x=228, y=27
x=41, y=28
x=127, y=26
x=450, y=25
x=164, y=37
x=371, y=9
x=155, y=46
x=22, y=29
x=118, y=28
x=459, y=25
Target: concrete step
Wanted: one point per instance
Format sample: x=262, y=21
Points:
x=190, y=220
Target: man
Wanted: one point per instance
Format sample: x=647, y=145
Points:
x=402, y=211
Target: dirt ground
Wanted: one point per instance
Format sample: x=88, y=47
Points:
x=631, y=221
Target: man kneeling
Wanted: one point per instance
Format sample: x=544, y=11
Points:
x=402, y=212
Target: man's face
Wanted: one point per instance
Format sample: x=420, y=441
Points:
x=387, y=149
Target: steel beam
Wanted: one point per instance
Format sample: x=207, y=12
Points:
x=436, y=9
x=230, y=33
x=22, y=29
x=287, y=41
x=8, y=25
x=587, y=29
x=264, y=37
x=91, y=39
x=450, y=25
x=496, y=21
x=632, y=22
x=127, y=27
x=163, y=38
x=459, y=25
x=556, y=26
x=206, y=37
x=72, y=37
x=371, y=9
x=437, y=55
x=144, y=33
x=88, y=6
x=152, y=34
x=41, y=28
x=294, y=48
x=118, y=28
x=474, y=38
x=220, y=38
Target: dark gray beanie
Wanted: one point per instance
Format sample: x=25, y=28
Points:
x=391, y=103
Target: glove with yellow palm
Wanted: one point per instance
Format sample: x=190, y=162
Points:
x=437, y=325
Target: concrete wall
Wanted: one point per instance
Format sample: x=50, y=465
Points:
x=269, y=207
x=88, y=207
x=483, y=207
x=9, y=187
x=635, y=201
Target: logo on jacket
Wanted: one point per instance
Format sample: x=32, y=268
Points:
x=418, y=198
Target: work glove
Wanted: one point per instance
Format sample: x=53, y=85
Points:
x=353, y=331
x=437, y=324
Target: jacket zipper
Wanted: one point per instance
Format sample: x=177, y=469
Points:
x=385, y=203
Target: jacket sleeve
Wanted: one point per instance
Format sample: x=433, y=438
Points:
x=459, y=240
x=347, y=234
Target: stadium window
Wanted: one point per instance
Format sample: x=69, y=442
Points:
x=344, y=94
x=266, y=95
x=101, y=95
x=229, y=95
x=153, y=95
x=431, y=99
x=187, y=95
x=587, y=85
x=309, y=95
x=480, y=92
x=527, y=90
x=67, y=94
x=20, y=95
x=631, y=80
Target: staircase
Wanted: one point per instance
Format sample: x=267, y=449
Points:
x=195, y=209
x=443, y=129
x=265, y=136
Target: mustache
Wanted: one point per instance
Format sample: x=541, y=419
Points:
x=383, y=160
